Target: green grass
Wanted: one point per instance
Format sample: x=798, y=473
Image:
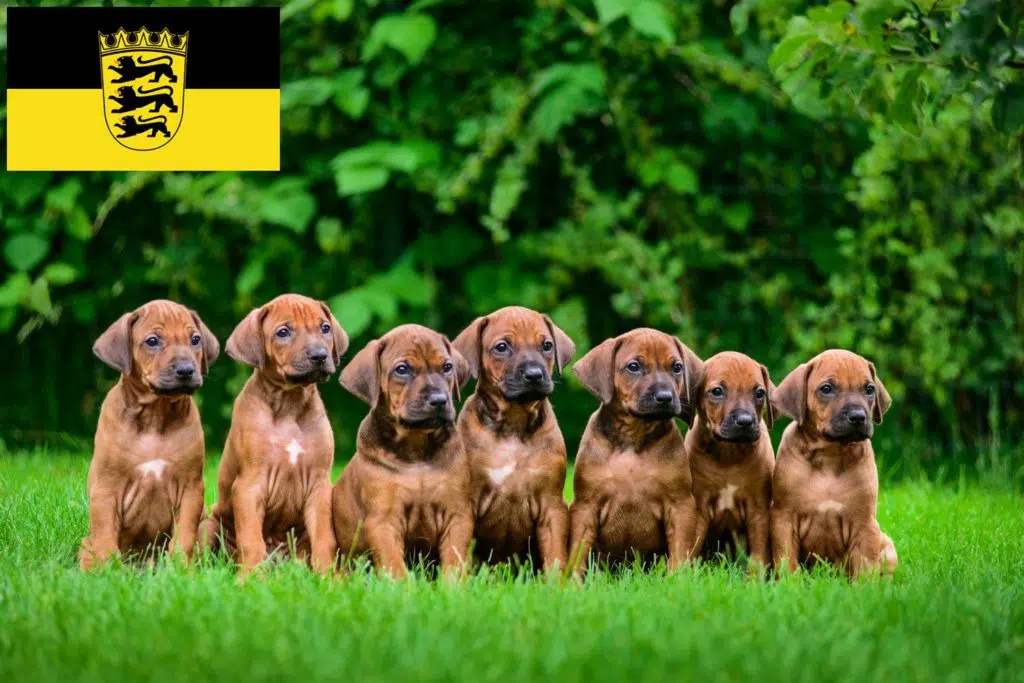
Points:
x=955, y=610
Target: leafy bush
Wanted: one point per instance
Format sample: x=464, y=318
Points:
x=764, y=176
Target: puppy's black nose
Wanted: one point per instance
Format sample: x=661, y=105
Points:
x=743, y=418
x=533, y=374
x=185, y=370
x=317, y=355
x=436, y=399
x=857, y=415
x=664, y=396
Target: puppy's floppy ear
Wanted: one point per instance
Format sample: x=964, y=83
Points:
x=114, y=347
x=596, y=370
x=769, y=390
x=693, y=377
x=337, y=334
x=882, y=399
x=565, y=348
x=362, y=375
x=462, y=373
x=790, y=396
x=211, y=347
x=246, y=342
x=469, y=343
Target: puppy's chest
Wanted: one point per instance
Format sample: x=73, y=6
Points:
x=291, y=448
x=505, y=466
x=725, y=494
x=630, y=480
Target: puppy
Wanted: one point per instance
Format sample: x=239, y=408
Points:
x=731, y=457
x=145, y=481
x=405, y=493
x=516, y=452
x=632, y=479
x=274, y=485
x=825, y=486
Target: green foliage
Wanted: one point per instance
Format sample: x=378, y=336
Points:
x=777, y=178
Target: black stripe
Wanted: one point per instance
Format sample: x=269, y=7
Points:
x=228, y=47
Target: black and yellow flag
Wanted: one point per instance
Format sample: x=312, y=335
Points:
x=169, y=89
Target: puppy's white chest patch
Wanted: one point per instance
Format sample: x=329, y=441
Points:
x=504, y=459
x=726, y=498
x=830, y=506
x=154, y=467
x=500, y=474
x=294, y=449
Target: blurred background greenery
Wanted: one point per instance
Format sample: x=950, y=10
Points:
x=771, y=176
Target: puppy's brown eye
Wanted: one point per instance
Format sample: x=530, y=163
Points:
x=402, y=369
x=195, y=340
x=825, y=389
x=547, y=345
x=633, y=366
x=759, y=394
x=325, y=328
x=718, y=392
x=501, y=347
x=282, y=332
x=447, y=367
x=152, y=341
x=870, y=390
x=677, y=368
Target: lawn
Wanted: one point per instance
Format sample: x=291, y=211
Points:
x=955, y=610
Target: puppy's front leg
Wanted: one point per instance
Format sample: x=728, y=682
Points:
x=871, y=552
x=386, y=546
x=455, y=543
x=249, y=508
x=685, y=530
x=758, y=536
x=553, y=533
x=783, y=540
x=317, y=517
x=583, y=533
x=104, y=530
x=186, y=525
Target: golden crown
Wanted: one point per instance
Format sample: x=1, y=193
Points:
x=143, y=39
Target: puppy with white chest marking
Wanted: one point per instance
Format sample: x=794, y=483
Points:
x=516, y=451
x=731, y=457
x=405, y=493
x=274, y=483
x=633, y=494
x=825, y=488
x=145, y=481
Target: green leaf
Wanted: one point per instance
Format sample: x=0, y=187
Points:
x=681, y=178
x=505, y=196
x=308, y=92
x=410, y=34
x=1008, y=108
x=25, y=251
x=14, y=290
x=650, y=18
x=251, y=276
x=738, y=216
x=349, y=95
x=39, y=297
x=287, y=203
x=359, y=179
x=352, y=311
x=786, y=52
x=79, y=226
x=610, y=10
x=64, y=197
x=59, y=273
x=329, y=235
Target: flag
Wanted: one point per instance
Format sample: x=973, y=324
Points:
x=133, y=89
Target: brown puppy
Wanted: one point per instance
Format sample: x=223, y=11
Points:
x=731, y=457
x=274, y=483
x=632, y=480
x=405, y=493
x=826, y=486
x=516, y=452
x=145, y=481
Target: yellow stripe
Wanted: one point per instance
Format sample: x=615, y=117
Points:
x=221, y=130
